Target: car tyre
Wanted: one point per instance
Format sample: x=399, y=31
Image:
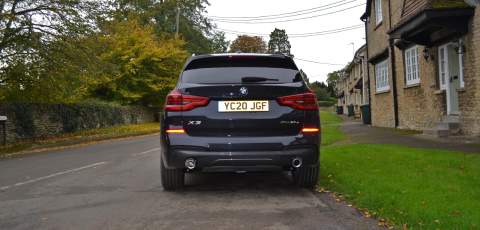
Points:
x=306, y=177
x=172, y=179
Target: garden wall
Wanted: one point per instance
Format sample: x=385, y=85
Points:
x=33, y=121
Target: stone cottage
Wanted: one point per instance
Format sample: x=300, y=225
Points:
x=352, y=87
x=424, y=65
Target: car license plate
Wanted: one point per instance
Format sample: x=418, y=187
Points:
x=243, y=106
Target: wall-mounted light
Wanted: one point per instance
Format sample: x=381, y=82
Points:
x=460, y=47
x=426, y=53
x=359, y=59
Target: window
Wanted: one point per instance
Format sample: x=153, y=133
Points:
x=378, y=11
x=237, y=75
x=442, y=64
x=241, y=69
x=462, y=69
x=241, y=61
x=381, y=76
x=412, y=76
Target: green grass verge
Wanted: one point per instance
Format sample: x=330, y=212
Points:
x=80, y=137
x=330, y=127
x=422, y=188
x=412, y=187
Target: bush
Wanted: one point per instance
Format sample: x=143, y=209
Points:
x=34, y=120
x=326, y=103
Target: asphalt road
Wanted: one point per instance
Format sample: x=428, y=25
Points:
x=116, y=185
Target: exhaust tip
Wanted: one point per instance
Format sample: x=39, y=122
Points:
x=297, y=162
x=190, y=163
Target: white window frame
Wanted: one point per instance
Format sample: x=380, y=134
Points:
x=412, y=73
x=378, y=12
x=461, y=58
x=443, y=59
x=442, y=66
x=381, y=76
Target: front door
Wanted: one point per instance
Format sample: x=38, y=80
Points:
x=450, y=75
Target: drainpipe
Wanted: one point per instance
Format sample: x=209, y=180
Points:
x=368, y=66
x=394, y=82
x=394, y=72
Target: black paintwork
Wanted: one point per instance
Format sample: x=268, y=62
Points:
x=248, y=140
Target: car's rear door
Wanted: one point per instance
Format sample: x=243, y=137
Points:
x=243, y=106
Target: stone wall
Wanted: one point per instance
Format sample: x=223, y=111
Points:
x=382, y=111
x=419, y=106
x=33, y=121
x=469, y=99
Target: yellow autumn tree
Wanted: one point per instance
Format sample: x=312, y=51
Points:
x=248, y=44
x=139, y=67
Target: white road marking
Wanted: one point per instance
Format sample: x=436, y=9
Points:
x=146, y=152
x=51, y=175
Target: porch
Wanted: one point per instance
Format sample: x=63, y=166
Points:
x=440, y=27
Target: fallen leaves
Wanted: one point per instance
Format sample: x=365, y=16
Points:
x=456, y=213
x=322, y=190
x=381, y=222
x=341, y=198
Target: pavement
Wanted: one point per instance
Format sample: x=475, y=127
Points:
x=366, y=134
x=116, y=185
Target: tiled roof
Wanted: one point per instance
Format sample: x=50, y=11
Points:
x=410, y=7
x=413, y=6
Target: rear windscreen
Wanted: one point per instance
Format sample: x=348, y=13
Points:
x=242, y=61
x=234, y=70
x=236, y=75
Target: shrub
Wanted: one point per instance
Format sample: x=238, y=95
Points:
x=33, y=120
x=326, y=103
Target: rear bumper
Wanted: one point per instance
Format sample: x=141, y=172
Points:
x=240, y=160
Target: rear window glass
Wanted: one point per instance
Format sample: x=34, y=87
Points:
x=235, y=75
x=242, y=61
x=241, y=69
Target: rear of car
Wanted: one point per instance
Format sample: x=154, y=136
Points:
x=240, y=113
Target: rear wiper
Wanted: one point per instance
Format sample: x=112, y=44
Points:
x=257, y=79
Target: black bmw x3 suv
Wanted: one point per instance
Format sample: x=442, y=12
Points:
x=240, y=113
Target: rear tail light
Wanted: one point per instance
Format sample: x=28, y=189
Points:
x=304, y=101
x=179, y=102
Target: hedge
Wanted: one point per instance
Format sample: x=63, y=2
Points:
x=31, y=120
x=326, y=103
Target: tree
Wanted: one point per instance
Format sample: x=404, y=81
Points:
x=219, y=43
x=321, y=90
x=279, y=43
x=195, y=28
x=40, y=48
x=26, y=25
x=332, y=81
x=57, y=51
x=305, y=76
x=59, y=72
x=140, y=68
x=248, y=44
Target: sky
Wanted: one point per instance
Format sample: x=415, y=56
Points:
x=333, y=48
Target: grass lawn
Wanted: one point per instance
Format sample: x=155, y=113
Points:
x=418, y=188
x=330, y=127
x=80, y=137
